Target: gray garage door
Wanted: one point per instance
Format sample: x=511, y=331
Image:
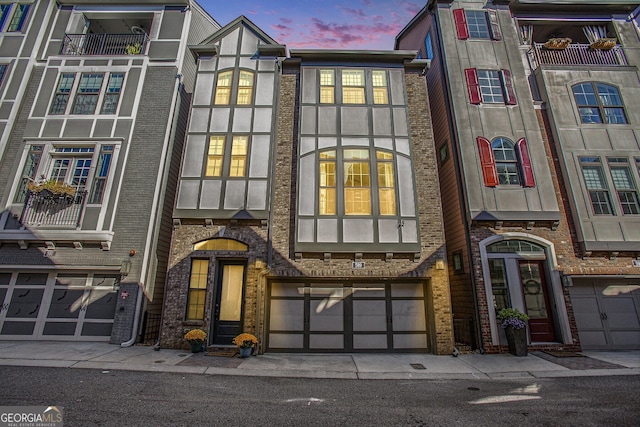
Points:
x=607, y=313
x=57, y=306
x=347, y=317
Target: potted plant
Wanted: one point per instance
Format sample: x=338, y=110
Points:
x=245, y=343
x=196, y=338
x=514, y=323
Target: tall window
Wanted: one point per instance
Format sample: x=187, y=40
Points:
x=490, y=86
x=18, y=19
x=88, y=93
x=599, y=103
x=29, y=172
x=596, y=185
x=112, y=93
x=357, y=182
x=223, y=88
x=506, y=161
x=245, y=88
x=353, y=87
x=624, y=184
x=4, y=13
x=197, y=289
x=61, y=98
x=327, y=86
x=477, y=24
x=239, y=156
x=215, y=156
x=3, y=71
x=380, y=95
x=327, y=193
x=101, y=174
x=386, y=183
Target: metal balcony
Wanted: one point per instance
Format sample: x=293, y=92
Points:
x=46, y=209
x=104, y=44
x=577, y=54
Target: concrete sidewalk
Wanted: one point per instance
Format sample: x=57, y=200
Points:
x=343, y=366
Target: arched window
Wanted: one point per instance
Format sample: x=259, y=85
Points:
x=245, y=88
x=506, y=161
x=223, y=88
x=220, y=245
x=599, y=103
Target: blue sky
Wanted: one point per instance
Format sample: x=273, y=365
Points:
x=322, y=24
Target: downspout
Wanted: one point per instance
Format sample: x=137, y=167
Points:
x=456, y=159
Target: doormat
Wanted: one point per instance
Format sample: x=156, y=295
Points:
x=222, y=352
x=560, y=353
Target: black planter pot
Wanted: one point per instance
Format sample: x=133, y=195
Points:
x=517, y=339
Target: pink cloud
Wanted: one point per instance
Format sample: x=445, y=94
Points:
x=322, y=34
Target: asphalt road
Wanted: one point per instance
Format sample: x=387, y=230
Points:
x=125, y=398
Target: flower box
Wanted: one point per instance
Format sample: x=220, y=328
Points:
x=604, y=44
x=558, y=43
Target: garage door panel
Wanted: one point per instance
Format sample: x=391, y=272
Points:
x=408, y=315
x=621, y=312
x=59, y=328
x=370, y=316
x=18, y=328
x=96, y=329
x=289, y=341
x=626, y=339
x=407, y=290
x=410, y=341
x=370, y=342
x=594, y=339
x=25, y=303
x=62, y=304
x=103, y=307
x=326, y=315
x=287, y=315
x=587, y=313
x=326, y=342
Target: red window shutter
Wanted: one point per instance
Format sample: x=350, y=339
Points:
x=525, y=163
x=473, y=85
x=460, y=19
x=496, y=34
x=507, y=85
x=487, y=162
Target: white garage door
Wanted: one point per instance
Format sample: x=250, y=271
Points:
x=347, y=317
x=57, y=306
x=607, y=313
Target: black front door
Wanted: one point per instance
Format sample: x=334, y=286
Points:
x=228, y=303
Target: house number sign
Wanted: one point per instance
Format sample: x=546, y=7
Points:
x=357, y=264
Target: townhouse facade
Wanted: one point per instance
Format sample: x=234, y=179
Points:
x=537, y=141
x=94, y=103
x=307, y=210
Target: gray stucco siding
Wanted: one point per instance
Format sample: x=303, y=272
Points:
x=77, y=128
x=257, y=195
x=229, y=44
x=172, y=24
x=307, y=181
x=199, y=120
x=220, y=119
x=188, y=194
x=327, y=118
x=128, y=97
x=204, y=89
x=242, y=118
x=308, y=120
x=264, y=89
x=194, y=156
x=163, y=50
x=354, y=121
x=234, y=197
x=309, y=89
x=259, y=156
x=211, y=192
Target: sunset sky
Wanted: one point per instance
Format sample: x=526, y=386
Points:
x=322, y=24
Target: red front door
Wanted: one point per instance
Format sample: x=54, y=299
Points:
x=536, y=301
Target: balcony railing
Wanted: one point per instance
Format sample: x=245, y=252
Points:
x=104, y=44
x=52, y=210
x=577, y=54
